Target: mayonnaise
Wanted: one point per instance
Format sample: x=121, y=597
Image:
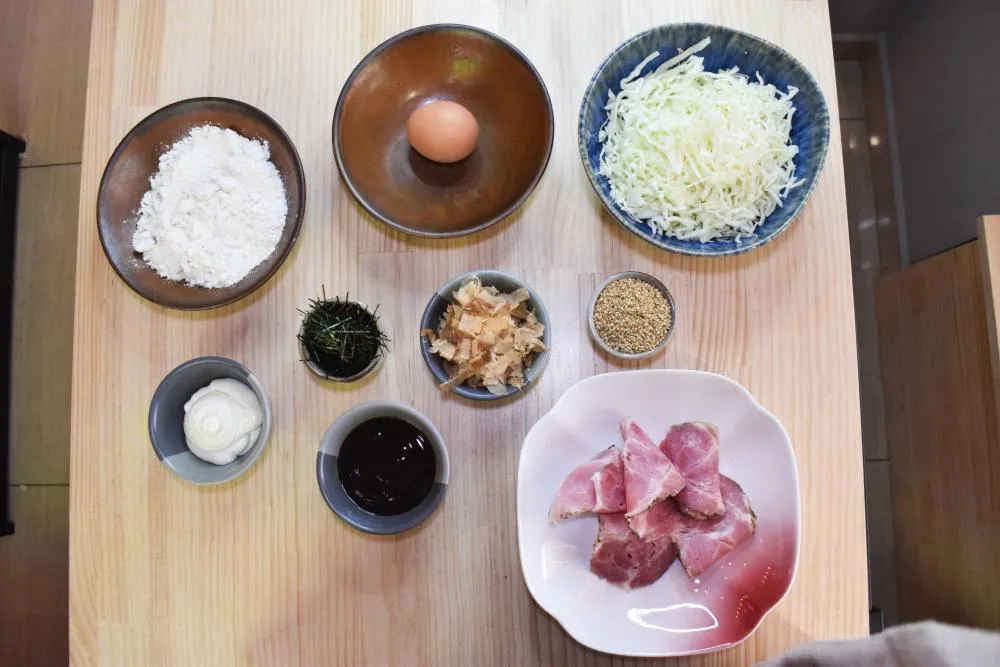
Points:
x=222, y=421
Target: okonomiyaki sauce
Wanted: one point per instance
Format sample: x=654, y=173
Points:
x=387, y=466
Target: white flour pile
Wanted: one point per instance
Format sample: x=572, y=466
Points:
x=215, y=209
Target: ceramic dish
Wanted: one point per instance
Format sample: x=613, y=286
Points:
x=439, y=303
x=166, y=420
x=126, y=180
x=674, y=616
x=729, y=48
x=318, y=371
x=473, y=67
x=646, y=278
x=333, y=491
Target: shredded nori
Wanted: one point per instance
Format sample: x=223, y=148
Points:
x=341, y=336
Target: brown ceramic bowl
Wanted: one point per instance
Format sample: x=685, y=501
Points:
x=126, y=180
x=475, y=68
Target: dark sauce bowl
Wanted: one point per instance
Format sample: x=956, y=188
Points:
x=340, y=501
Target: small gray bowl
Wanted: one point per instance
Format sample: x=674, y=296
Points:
x=439, y=303
x=322, y=375
x=333, y=491
x=646, y=278
x=166, y=420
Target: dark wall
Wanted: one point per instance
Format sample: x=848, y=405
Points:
x=854, y=16
x=944, y=59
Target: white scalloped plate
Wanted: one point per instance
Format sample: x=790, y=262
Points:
x=674, y=616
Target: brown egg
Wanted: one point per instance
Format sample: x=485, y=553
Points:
x=443, y=131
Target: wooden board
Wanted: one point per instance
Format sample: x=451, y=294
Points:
x=989, y=257
x=942, y=429
x=43, y=316
x=43, y=76
x=34, y=564
x=260, y=571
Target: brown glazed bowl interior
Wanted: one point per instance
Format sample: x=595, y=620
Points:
x=126, y=180
x=475, y=68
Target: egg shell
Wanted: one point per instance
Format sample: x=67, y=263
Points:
x=443, y=131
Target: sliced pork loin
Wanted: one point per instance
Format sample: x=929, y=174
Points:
x=620, y=557
x=649, y=475
x=694, y=449
x=577, y=494
x=701, y=543
x=609, y=485
x=662, y=520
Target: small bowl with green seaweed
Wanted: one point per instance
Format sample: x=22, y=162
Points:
x=341, y=340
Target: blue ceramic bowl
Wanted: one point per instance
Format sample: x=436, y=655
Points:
x=729, y=48
x=439, y=303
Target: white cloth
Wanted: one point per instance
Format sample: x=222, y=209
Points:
x=927, y=644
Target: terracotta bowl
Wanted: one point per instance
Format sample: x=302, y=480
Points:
x=126, y=180
x=467, y=65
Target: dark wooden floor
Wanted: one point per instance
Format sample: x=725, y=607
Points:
x=874, y=235
x=43, y=70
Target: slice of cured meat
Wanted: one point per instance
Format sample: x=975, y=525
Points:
x=701, y=543
x=622, y=558
x=649, y=475
x=694, y=449
x=576, y=494
x=609, y=486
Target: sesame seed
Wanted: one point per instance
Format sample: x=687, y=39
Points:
x=631, y=316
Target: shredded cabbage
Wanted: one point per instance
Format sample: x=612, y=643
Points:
x=696, y=154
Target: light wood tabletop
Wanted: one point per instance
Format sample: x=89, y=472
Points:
x=260, y=572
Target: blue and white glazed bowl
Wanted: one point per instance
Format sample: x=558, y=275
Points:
x=729, y=48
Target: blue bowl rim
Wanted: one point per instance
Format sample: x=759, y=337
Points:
x=387, y=43
x=541, y=359
x=632, y=224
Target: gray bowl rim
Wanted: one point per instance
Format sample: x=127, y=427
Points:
x=338, y=112
x=542, y=360
x=385, y=408
x=259, y=446
x=620, y=216
x=300, y=177
x=646, y=278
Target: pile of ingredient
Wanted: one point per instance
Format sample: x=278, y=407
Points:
x=341, y=337
x=215, y=209
x=655, y=503
x=632, y=316
x=487, y=337
x=222, y=421
x=696, y=154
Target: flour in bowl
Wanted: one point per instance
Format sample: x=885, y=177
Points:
x=215, y=209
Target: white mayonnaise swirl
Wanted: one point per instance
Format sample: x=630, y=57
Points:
x=222, y=421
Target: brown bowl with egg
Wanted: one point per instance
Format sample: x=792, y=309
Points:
x=127, y=178
x=443, y=130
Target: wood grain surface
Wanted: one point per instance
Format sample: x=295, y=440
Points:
x=259, y=572
x=942, y=430
x=42, y=343
x=989, y=257
x=33, y=569
x=43, y=76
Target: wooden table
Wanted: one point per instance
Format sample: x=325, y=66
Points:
x=260, y=572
